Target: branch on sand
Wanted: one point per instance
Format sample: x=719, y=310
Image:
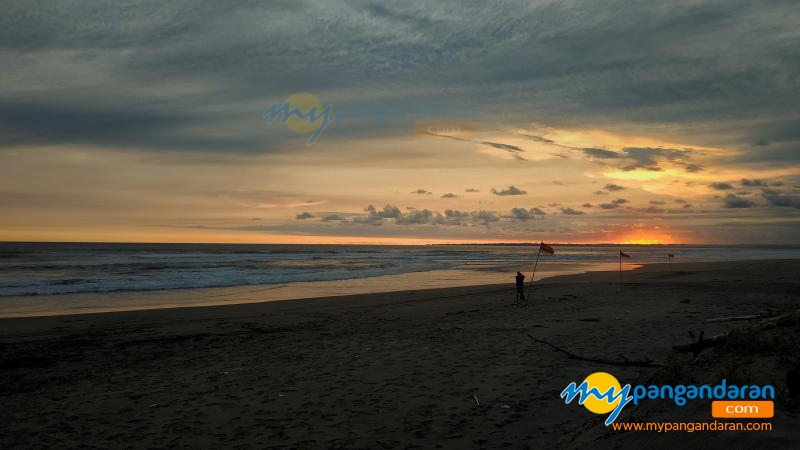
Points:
x=733, y=319
x=612, y=362
x=701, y=343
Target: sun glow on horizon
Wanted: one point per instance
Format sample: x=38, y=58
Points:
x=648, y=238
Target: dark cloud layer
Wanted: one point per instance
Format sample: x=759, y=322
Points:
x=69, y=69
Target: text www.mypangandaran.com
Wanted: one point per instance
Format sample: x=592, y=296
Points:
x=690, y=427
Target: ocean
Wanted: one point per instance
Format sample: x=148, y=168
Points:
x=57, y=276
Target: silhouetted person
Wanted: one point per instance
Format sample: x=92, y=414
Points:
x=520, y=287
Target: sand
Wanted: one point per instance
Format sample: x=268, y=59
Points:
x=444, y=368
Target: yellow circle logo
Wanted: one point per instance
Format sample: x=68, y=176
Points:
x=305, y=102
x=602, y=382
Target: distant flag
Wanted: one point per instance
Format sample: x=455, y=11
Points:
x=542, y=248
x=670, y=256
x=621, y=255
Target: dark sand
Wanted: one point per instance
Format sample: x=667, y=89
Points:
x=392, y=370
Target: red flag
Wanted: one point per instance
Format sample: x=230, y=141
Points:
x=623, y=254
x=670, y=256
x=546, y=248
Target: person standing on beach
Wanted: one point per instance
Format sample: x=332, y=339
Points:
x=520, y=287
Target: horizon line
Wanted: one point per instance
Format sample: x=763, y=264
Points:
x=757, y=244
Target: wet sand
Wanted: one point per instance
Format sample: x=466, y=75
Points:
x=441, y=368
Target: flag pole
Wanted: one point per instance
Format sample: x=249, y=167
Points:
x=530, y=286
x=620, y=269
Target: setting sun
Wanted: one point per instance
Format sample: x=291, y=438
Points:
x=648, y=238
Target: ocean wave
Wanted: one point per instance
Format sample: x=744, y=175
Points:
x=46, y=269
x=195, y=278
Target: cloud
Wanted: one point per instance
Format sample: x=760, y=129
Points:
x=507, y=147
x=449, y=195
x=587, y=205
x=485, y=216
x=537, y=212
x=421, y=192
x=721, y=186
x=471, y=190
x=572, y=212
x=734, y=202
x=376, y=217
x=523, y=214
x=540, y=139
x=614, y=187
x=652, y=210
x=512, y=190
x=656, y=76
x=185, y=78
x=777, y=199
x=600, y=153
x=645, y=158
x=415, y=217
x=455, y=214
x=304, y=215
x=520, y=214
x=333, y=218
x=657, y=202
x=412, y=216
x=614, y=204
x=512, y=149
x=693, y=167
x=752, y=183
x=388, y=212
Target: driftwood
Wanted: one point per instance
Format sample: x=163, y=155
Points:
x=701, y=344
x=623, y=362
x=733, y=319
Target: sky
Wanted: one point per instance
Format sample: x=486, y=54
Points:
x=595, y=121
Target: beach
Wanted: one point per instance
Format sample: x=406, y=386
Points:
x=438, y=368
